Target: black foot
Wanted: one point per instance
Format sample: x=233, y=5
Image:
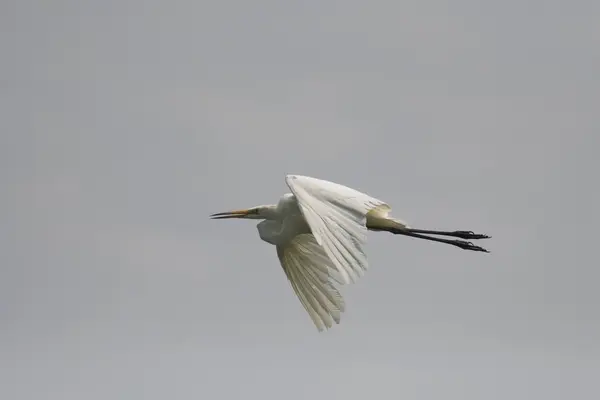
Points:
x=467, y=246
x=469, y=235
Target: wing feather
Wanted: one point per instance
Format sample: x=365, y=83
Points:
x=311, y=273
x=336, y=215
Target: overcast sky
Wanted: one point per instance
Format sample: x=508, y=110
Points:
x=125, y=123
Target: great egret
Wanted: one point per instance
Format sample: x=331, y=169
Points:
x=319, y=231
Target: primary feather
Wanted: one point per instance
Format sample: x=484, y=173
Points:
x=319, y=232
x=337, y=216
x=311, y=275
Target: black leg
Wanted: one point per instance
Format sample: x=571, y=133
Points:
x=459, y=234
x=458, y=243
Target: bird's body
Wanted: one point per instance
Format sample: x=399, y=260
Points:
x=319, y=230
x=286, y=222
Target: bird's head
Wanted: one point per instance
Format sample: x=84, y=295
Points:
x=259, y=212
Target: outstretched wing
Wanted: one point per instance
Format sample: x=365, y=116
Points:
x=336, y=215
x=311, y=274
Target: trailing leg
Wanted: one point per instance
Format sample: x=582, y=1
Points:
x=459, y=234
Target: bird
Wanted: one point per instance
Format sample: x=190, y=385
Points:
x=319, y=231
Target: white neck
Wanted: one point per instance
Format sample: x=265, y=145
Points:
x=269, y=212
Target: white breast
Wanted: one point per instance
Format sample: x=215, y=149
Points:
x=289, y=224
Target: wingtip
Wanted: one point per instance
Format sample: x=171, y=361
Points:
x=291, y=177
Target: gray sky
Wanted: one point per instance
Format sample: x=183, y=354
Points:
x=125, y=123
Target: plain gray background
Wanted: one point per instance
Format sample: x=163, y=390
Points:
x=125, y=123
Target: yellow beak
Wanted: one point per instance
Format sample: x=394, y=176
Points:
x=232, y=214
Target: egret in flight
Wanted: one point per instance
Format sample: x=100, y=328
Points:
x=319, y=231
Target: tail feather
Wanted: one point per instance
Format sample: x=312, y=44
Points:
x=384, y=223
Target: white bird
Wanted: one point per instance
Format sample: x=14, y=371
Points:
x=319, y=231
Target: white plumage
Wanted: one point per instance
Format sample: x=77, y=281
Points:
x=320, y=231
x=337, y=216
x=312, y=276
